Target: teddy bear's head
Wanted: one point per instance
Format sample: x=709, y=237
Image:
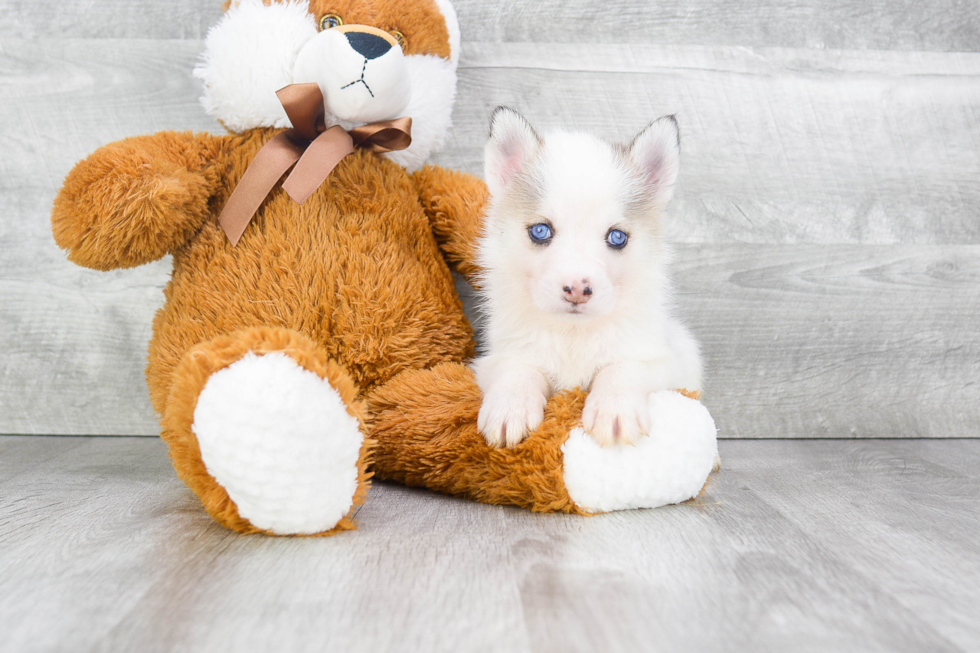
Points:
x=372, y=59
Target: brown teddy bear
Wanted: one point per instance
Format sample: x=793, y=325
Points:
x=311, y=333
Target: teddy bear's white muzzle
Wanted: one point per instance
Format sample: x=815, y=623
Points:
x=362, y=76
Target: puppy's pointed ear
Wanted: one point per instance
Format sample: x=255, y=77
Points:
x=512, y=145
x=656, y=152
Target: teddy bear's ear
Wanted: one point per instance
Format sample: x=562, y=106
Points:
x=248, y=56
x=656, y=153
x=452, y=26
x=513, y=144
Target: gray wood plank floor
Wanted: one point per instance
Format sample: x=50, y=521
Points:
x=817, y=545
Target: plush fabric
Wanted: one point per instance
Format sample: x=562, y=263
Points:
x=351, y=293
x=204, y=360
x=134, y=201
x=666, y=466
x=429, y=439
x=280, y=440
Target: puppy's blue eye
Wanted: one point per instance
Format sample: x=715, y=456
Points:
x=617, y=239
x=540, y=233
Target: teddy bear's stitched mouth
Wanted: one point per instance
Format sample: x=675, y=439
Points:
x=360, y=81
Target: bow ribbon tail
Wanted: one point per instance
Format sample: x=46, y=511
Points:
x=269, y=165
x=315, y=155
x=316, y=164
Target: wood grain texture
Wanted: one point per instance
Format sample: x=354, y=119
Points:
x=857, y=165
x=101, y=19
x=946, y=25
x=845, y=341
x=64, y=98
x=73, y=341
x=803, y=546
x=851, y=341
x=941, y=25
x=799, y=341
x=777, y=145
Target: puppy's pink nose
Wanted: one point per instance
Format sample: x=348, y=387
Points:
x=578, y=292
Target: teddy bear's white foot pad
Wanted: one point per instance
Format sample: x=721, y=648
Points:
x=669, y=466
x=280, y=441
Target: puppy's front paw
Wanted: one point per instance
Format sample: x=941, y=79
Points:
x=616, y=418
x=507, y=417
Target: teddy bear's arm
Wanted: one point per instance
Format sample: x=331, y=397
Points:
x=137, y=199
x=454, y=202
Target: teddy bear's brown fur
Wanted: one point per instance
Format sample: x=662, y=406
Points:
x=355, y=286
x=430, y=440
x=359, y=274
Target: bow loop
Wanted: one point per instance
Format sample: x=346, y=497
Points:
x=304, y=107
x=314, y=149
x=384, y=136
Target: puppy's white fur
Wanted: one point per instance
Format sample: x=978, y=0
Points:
x=623, y=343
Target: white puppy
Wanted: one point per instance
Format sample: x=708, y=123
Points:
x=575, y=284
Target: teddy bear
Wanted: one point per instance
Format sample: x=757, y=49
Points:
x=311, y=335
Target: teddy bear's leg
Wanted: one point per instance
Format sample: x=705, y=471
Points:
x=268, y=433
x=424, y=424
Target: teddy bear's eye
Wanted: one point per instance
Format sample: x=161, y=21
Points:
x=330, y=20
x=402, y=41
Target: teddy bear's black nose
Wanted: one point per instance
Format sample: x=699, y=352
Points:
x=370, y=46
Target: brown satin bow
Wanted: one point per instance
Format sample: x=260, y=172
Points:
x=315, y=150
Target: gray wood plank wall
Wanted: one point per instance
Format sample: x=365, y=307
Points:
x=827, y=219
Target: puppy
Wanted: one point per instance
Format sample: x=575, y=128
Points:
x=575, y=285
